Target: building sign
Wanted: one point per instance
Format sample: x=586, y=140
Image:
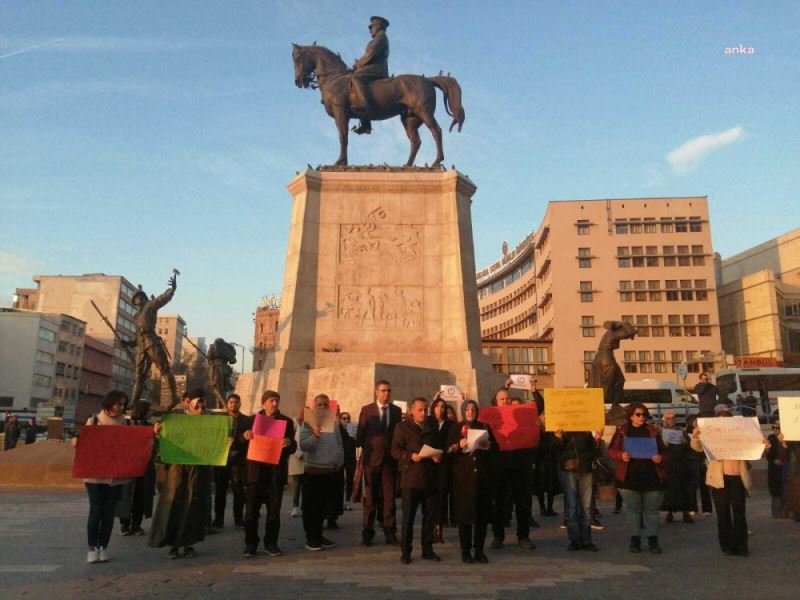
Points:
x=755, y=362
x=507, y=258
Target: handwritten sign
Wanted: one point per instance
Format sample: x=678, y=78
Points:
x=269, y=427
x=514, y=427
x=574, y=409
x=267, y=442
x=521, y=382
x=113, y=452
x=451, y=393
x=731, y=438
x=641, y=447
x=672, y=436
x=789, y=410
x=194, y=439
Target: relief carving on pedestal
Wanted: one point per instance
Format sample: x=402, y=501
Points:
x=375, y=239
x=376, y=307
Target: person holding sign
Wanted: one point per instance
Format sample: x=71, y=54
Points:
x=472, y=481
x=264, y=483
x=324, y=457
x=418, y=477
x=638, y=450
x=231, y=474
x=576, y=452
x=184, y=500
x=679, y=495
x=142, y=489
x=729, y=481
x=104, y=493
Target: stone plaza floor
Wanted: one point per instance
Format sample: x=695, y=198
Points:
x=43, y=553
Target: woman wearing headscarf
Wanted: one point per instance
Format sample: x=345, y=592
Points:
x=640, y=481
x=679, y=493
x=472, y=483
x=182, y=508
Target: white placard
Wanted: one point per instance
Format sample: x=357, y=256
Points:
x=521, y=381
x=789, y=411
x=451, y=393
x=403, y=406
x=672, y=436
x=476, y=439
x=352, y=428
x=428, y=452
x=731, y=438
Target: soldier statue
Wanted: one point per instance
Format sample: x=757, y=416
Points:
x=149, y=346
x=605, y=372
x=373, y=65
x=220, y=356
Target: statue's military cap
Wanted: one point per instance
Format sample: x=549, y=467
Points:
x=380, y=21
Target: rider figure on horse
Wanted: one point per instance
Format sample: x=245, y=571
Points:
x=373, y=65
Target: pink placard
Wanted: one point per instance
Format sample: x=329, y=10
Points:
x=269, y=427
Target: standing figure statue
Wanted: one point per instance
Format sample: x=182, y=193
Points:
x=373, y=65
x=149, y=346
x=605, y=372
x=220, y=356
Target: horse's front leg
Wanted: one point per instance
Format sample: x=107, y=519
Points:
x=341, y=124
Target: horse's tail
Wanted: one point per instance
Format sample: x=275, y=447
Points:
x=452, y=98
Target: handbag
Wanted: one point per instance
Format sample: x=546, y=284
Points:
x=601, y=472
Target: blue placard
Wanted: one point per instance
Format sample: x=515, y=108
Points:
x=641, y=447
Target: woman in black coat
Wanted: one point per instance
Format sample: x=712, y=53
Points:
x=472, y=484
x=441, y=436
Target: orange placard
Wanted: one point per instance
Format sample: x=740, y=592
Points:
x=265, y=449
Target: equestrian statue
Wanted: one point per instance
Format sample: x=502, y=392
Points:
x=366, y=92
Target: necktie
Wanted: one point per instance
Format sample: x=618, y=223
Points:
x=384, y=418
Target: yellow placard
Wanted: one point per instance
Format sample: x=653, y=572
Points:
x=574, y=409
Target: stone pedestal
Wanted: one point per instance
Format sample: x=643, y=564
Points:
x=379, y=284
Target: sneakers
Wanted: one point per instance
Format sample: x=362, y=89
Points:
x=102, y=556
x=563, y=524
x=137, y=531
x=189, y=552
x=590, y=547
x=249, y=552
x=314, y=546
x=295, y=512
x=273, y=550
x=688, y=518
x=597, y=525
x=526, y=544
x=326, y=543
x=125, y=531
x=173, y=554
x=91, y=557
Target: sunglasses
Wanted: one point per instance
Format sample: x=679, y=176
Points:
x=638, y=414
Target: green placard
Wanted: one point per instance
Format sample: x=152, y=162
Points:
x=194, y=439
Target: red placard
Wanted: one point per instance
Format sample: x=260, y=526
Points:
x=514, y=427
x=265, y=449
x=113, y=451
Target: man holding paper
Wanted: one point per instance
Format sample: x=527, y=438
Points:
x=264, y=482
x=418, y=477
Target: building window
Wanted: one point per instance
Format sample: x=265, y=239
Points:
x=695, y=224
x=630, y=361
x=586, y=291
x=47, y=335
x=676, y=356
x=638, y=261
x=583, y=227
x=44, y=357
x=636, y=228
x=60, y=369
x=642, y=325
x=41, y=380
x=621, y=226
x=584, y=258
x=649, y=225
x=681, y=226
x=666, y=225
x=587, y=326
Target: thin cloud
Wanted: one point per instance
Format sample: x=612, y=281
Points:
x=14, y=264
x=63, y=90
x=688, y=155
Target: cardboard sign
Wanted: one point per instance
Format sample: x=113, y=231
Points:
x=265, y=449
x=672, y=436
x=574, y=409
x=269, y=427
x=451, y=393
x=789, y=410
x=641, y=447
x=731, y=438
x=194, y=439
x=113, y=451
x=521, y=382
x=514, y=427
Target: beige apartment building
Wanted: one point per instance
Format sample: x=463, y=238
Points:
x=171, y=329
x=73, y=294
x=759, y=303
x=644, y=260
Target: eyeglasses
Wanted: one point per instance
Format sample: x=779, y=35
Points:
x=638, y=414
x=345, y=418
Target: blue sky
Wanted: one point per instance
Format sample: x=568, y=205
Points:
x=138, y=137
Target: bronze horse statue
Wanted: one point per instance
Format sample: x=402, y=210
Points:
x=411, y=97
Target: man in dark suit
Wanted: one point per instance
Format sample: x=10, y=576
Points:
x=376, y=425
x=418, y=478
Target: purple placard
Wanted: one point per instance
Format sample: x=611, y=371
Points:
x=641, y=447
x=269, y=427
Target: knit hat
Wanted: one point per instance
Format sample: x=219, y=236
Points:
x=720, y=408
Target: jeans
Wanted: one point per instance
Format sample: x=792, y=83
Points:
x=102, y=500
x=578, y=496
x=731, y=518
x=641, y=511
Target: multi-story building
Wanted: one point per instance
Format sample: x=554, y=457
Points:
x=40, y=361
x=189, y=350
x=96, y=374
x=759, y=302
x=643, y=260
x=171, y=329
x=73, y=295
x=266, y=330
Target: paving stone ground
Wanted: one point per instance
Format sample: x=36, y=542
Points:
x=42, y=555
